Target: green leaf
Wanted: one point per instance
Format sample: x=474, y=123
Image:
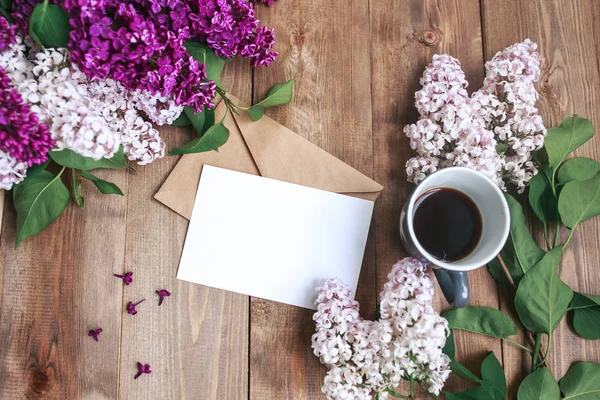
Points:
x=484, y=320
x=501, y=148
x=49, y=25
x=6, y=15
x=69, y=159
x=520, y=252
x=462, y=371
x=579, y=201
x=581, y=382
x=103, y=186
x=578, y=169
x=565, y=138
x=38, y=202
x=539, y=385
x=76, y=189
x=278, y=95
x=455, y=366
x=215, y=137
x=542, y=199
x=6, y=5
x=256, y=112
x=196, y=119
x=586, y=315
x=474, y=393
x=182, y=120
x=495, y=269
x=34, y=171
x=582, y=300
x=449, y=348
x=209, y=118
x=542, y=298
x=493, y=379
x=205, y=55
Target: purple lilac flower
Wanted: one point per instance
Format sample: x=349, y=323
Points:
x=7, y=33
x=21, y=134
x=142, y=369
x=127, y=278
x=231, y=28
x=267, y=2
x=131, y=307
x=95, y=333
x=162, y=293
x=139, y=43
x=22, y=9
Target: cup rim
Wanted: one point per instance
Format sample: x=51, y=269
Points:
x=435, y=262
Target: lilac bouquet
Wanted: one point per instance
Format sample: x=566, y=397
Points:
x=495, y=130
x=83, y=84
x=369, y=359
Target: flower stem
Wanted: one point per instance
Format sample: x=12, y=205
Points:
x=227, y=100
x=536, y=351
x=398, y=395
x=549, y=343
x=518, y=345
x=557, y=234
x=505, y=269
x=546, y=236
x=412, y=387
x=427, y=392
x=570, y=236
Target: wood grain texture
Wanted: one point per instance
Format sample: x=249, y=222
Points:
x=357, y=66
x=2, y=194
x=325, y=46
x=405, y=35
x=57, y=286
x=197, y=341
x=567, y=35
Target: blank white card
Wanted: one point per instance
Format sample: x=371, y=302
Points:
x=272, y=239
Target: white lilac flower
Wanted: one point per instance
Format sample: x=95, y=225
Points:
x=457, y=130
x=11, y=171
x=91, y=118
x=141, y=142
x=160, y=109
x=368, y=357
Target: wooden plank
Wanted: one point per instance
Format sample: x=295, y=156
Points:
x=570, y=83
x=2, y=193
x=405, y=35
x=99, y=294
x=325, y=46
x=57, y=285
x=197, y=341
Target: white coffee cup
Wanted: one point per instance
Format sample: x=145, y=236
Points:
x=495, y=219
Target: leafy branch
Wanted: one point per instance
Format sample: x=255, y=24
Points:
x=211, y=136
x=565, y=192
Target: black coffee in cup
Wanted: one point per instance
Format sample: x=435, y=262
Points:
x=447, y=223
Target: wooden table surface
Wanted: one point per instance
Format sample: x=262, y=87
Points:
x=357, y=65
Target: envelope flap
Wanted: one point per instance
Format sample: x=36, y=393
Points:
x=282, y=154
x=178, y=192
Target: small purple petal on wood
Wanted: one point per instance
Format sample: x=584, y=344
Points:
x=142, y=369
x=95, y=333
x=162, y=293
x=127, y=278
x=131, y=307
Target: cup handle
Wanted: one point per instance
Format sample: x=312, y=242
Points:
x=455, y=286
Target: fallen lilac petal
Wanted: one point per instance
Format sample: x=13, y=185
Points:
x=143, y=369
x=127, y=278
x=95, y=333
x=131, y=307
x=162, y=293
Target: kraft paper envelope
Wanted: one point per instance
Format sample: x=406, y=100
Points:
x=269, y=149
